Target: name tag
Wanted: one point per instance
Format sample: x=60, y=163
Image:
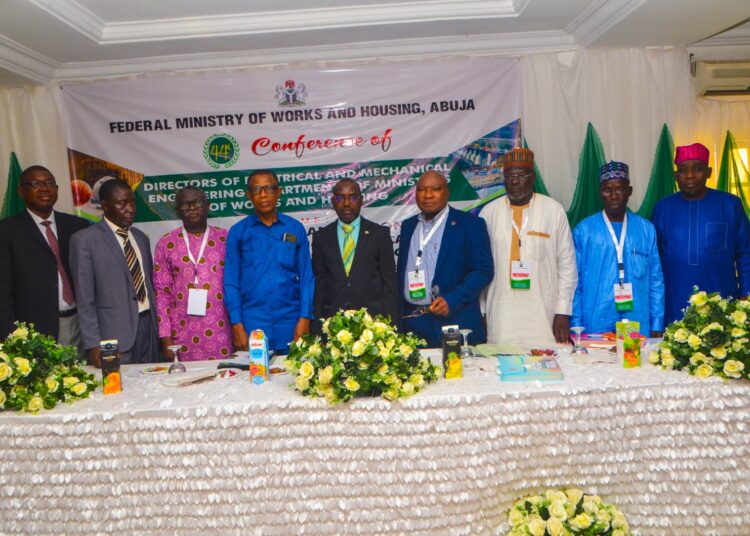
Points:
x=624, y=297
x=417, y=285
x=197, y=300
x=520, y=275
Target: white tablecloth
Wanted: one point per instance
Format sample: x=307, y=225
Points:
x=672, y=451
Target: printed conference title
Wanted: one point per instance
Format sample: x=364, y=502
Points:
x=262, y=146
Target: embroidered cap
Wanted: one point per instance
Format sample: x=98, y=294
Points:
x=519, y=157
x=614, y=170
x=696, y=151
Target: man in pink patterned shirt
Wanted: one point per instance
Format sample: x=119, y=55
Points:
x=189, y=283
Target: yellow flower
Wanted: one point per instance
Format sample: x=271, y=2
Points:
x=290, y=365
x=736, y=346
x=383, y=370
x=362, y=365
x=391, y=394
x=79, y=388
x=391, y=379
x=367, y=319
x=380, y=327
x=349, y=313
x=739, y=317
x=344, y=337
x=619, y=532
x=335, y=353
x=301, y=383
x=35, y=404
x=653, y=357
x=307, y=370
x=668, y=362
x=323, y=390
x=681, y=335
x=602, y=516
x=358, y=349
x=719, y=352
x=698, y=299
x=581, y=521
x=665, y=352
x=405, y=350
x=737, y=332
x=555, y=495
x=574, y=495
x=325, y=326
x=536, y=527
x=407, y=388
x=384, y=352
x=2, y=398
x=517, y=517
x=23, y=365
x=5, y=371
x=52, y=384
x=703, y=310
x=694, y=341
x=331, y=396
x=619, y=521
x=3, y=355
x=590, y=506
x=698, y=358
x=367, y=336
x=325, y=375
x=734, y=368
x=417, y=380
x=555, y=527
x=351, y=384
x=390, y=343
x=20, y=333
x=70, y=381
x=314, y=350
x=704, y=371
x=557, y=509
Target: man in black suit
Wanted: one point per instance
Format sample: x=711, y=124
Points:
x=35, y=280
x=353, y=261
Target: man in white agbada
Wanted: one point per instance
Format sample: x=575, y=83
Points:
x=530, y=299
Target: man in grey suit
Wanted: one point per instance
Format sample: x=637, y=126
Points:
x=112, y=268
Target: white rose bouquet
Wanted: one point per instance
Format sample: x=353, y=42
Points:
x=713, y=338
x=564, y=513
x=361, y=356
x=36, y=373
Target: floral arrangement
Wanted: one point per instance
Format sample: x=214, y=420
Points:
x=36, y=372
x=566, y=512
x=361, y=356
x=711, y=340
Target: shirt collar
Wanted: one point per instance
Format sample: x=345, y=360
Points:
x=354, y=224
x=38, y=220
x=112, y=226
x=254, y=220
x=437, y=216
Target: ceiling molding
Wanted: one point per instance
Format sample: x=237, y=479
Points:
x=487, y=45
x=739, y=36
x=600, y=17
x=22, y=61
x=85, y=22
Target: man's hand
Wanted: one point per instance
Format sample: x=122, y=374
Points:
x=239, y=337
x=440, y=307
x=302, y=327
x=561, y=328
x=166, y=342
x=657, y=334
x=95, y=357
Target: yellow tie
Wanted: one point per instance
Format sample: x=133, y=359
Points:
x=348, y=253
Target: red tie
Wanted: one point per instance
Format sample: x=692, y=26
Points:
x=67, y=288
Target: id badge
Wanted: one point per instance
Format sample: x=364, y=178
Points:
x=417, y=285
x=624, y=297
x=197, y=300
x=520, y=275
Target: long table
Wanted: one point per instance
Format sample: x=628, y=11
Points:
x=671, y=450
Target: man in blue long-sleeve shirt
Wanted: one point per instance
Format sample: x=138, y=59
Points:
x=268, y=277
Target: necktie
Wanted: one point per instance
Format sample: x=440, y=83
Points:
x=133, y=265
x=348, y=253
x=67, y=288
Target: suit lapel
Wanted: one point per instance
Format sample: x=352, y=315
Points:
x=109, y=238
x=449, y=237
x=36, y=233
x=408, y=227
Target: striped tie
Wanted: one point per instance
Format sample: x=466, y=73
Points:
x=348, y=253
x=135, y=267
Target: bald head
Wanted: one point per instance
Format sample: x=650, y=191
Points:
x=432, y=193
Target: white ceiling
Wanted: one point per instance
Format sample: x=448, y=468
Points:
x=55, y=40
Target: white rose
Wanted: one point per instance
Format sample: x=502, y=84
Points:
x=619, y=521
x=653, y=357
x=325, y=326
x=407, y=388
x=517, y=516
x=367, y=336
x=536, y=527
x=314, y=350
x=358, y=349
x=557, y=509
x=555, y=495
x=555, y=527
x=668, y=362
x=574, y=495
x=590, y=506
x=367, y=319
x=602, y=516
x=349, y=313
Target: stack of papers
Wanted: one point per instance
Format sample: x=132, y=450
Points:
x=527, y=368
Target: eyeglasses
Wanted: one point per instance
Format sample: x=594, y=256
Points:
x=35, y=185
x=192, y=205
x=270, y=189
x=353, y=198
x=424, y=309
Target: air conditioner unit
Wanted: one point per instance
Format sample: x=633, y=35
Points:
x=723, y=79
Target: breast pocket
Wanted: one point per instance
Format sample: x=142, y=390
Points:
x=716, y=236
x=638, y=264
x=286, y=254
x=537, y=245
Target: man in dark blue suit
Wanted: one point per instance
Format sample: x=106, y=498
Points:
x=444, y=263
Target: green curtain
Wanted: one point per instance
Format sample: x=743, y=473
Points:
x=12, y=202
x=586, y=199
x=539, y=186
x=661, y=184
x=733, y=175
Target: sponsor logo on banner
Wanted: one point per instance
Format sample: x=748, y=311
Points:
x=221, y=150
x=291, y=94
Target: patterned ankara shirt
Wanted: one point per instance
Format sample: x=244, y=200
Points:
x=201, y=337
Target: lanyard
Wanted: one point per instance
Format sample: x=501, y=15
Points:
x=200, y=252
x=423, y=240
x=619, y=245
x=520, y=231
